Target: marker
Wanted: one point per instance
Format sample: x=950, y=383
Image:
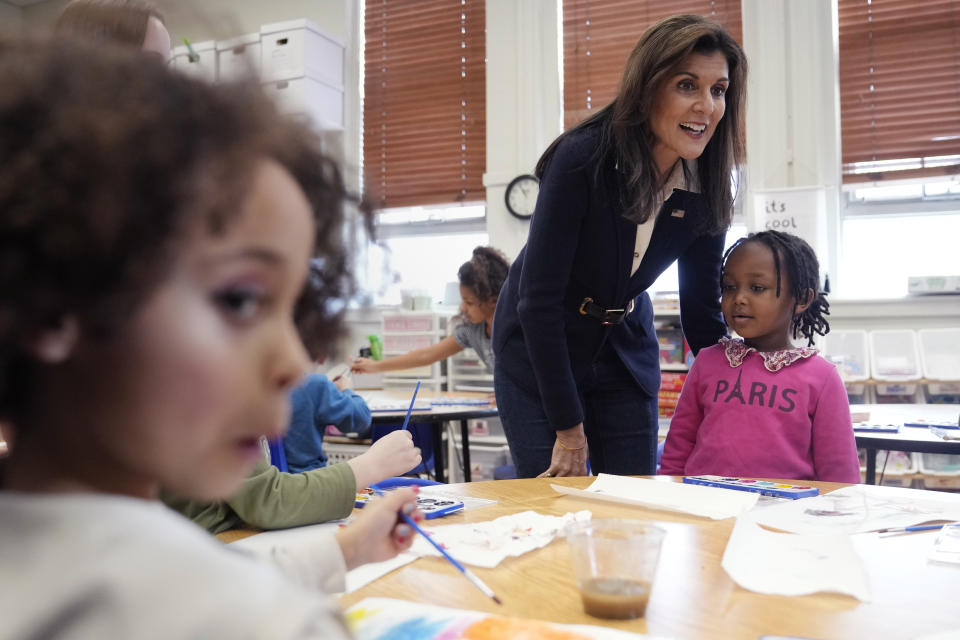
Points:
x=406, y=420
x=192, y=55
x=477, y=582
x=922, y=527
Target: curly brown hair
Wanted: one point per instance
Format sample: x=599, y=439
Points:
x=109, y=159
x=484, y=273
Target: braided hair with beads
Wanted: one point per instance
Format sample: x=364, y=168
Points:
x=793, y=253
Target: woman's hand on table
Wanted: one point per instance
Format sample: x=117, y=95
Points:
x=364, y=365
x=570, y=454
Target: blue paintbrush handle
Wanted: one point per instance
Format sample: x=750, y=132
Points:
x=433, y=542
x=406, y=420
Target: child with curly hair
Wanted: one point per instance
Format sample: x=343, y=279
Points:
x=757, y=406
x=155, y=233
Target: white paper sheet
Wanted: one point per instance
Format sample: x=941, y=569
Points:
x=442, y=491
x=261, y=544
x=791, y=564
x=861, y=508
x=486, y=544
x=708, y=502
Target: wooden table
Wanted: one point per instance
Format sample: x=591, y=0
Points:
x=692, y=596
x=436, y=417
x=911, y=439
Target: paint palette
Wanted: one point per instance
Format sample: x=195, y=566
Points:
x=432, y=507
x=763, y=487
x=940, y=424
x=876, y=427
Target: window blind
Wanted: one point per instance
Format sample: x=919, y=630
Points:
x=598, y=36
x=424, y=131
x=899, y=88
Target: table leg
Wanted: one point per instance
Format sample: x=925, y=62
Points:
x=465, y=445
x=871, y=466
x=438, y=451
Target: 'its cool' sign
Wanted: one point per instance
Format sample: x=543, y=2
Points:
x=798, y=211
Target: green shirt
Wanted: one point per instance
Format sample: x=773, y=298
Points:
x=271, y=499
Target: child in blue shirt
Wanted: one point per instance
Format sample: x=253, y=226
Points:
x=315, y=403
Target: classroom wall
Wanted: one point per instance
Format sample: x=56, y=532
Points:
x=11, y=20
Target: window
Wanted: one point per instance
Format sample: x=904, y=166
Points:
x=424, y=120
x=899, y=88
x=598, y=36
x=402, y=267
x=878, y=253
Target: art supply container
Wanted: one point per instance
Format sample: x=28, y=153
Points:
x=614, y=561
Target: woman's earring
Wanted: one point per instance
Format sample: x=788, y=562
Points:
x=53, y=345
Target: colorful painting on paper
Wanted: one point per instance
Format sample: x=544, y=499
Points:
x=388, y=619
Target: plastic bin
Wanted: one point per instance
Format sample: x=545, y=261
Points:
x=484, y=460
x=337, y=452
x=940, y=356
x=901, y=469
x=850, y=352
x=895, y=360
x=940, y=471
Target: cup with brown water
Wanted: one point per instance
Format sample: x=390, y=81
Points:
x=614, y=561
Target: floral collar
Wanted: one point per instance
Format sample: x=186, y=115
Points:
x=736, y=352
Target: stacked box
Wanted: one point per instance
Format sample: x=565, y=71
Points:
x=897, y=468
x=669, y=395
x=940, y=471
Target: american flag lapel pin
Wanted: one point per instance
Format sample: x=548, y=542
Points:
x=678, y=213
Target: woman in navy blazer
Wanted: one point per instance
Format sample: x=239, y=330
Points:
x=641, y=184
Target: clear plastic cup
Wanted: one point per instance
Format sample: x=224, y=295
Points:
x=614, y=561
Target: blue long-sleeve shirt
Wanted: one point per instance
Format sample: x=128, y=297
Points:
x=314, y=404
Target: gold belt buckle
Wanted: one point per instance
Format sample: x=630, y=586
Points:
x=585, y=302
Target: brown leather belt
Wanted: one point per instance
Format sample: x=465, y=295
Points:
x=606, y=316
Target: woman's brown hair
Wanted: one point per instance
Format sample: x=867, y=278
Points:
x=118, y=21
x=627, y=140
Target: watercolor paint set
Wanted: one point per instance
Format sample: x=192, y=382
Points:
x=876, y=427
x=763, y=487
x=939, y=424
x=432, y=507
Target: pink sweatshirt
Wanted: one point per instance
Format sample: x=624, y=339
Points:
x=738, y=417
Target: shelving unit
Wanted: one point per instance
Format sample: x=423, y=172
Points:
x=466, y=372
x=402, y=331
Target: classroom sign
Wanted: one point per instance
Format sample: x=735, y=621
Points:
x=800, y=211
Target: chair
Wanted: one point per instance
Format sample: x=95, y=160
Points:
x=277, y=456
x=422, y=438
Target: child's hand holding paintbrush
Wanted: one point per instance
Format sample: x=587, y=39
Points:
x=379, y=533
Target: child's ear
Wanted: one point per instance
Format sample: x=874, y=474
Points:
x=55, y=343
x=804, y=305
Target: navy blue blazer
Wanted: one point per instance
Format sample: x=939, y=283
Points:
x=581, y=246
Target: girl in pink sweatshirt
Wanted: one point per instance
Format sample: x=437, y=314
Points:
x=756, y=406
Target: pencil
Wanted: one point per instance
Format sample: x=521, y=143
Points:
x=477, y=582
x=410, y=408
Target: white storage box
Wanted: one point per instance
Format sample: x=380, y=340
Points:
x=238, y=58
x=894, y=356
x=321, y=105
x=202, y=65
x=940, y=471
x=299, y=48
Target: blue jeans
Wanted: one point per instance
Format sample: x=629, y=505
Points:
x=620, y=421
